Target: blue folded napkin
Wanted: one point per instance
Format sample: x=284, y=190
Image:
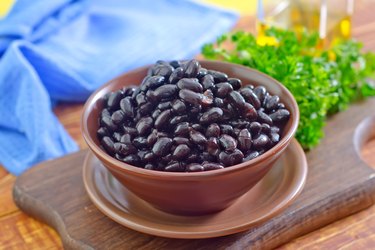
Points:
x=62, y=50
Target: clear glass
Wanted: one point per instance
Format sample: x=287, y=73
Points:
x=330, y=18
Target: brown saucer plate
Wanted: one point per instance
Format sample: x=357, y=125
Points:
x=268, y=198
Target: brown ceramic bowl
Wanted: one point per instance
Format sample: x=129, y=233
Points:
x=199, y=192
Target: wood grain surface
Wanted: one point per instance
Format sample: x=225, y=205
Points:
x=19, y=231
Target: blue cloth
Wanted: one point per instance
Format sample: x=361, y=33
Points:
x=62, y=50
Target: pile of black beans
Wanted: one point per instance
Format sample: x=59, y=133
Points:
x=185, y=118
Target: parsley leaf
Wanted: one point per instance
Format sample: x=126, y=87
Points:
x=323, y=82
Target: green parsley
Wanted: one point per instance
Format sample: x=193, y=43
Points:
x=322, y=81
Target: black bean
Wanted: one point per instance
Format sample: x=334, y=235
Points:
x=178, y=119
x=202, y=72
x=166, y=159
x=128, y=91
x=195, y=112
x=146, y=108
x=140, y=99
x=175, y=64
x=114, y=100
x=213, y=130
x=244, y=140
x=151, y=97
x=208, y=82
x=280, y=105
x=149, y=157
x=164, y=105
x=208, y=98
x=265, y=129
x=211, y=115
x=275, y=129
x=219, y=102
x=107, y=122
x=101, y=132
x=162, y=146
x=240, y=123
x=124, y=149
x=255, y=128
x=190, y=97
x=116, y=136
x=231, y=158
x=236, y=131
x=176, y=75
x=163, y=119
x=161, y=62
x=140, y=142
x=132, y=160
x=197, y=137
x=232, y=109
x=181, y=152
x=144, y=84
x=193, y=157
x=235, y=82
x=174, y=167
x=144, y=125
x=129, y=130
x=150, y=166
x=211, y=166
x=163, y=70
x=227, y=129
x=237, y=100
x=165, y=91
x=261, y=142
x=181, y=140
x=142, y=154
x=126, y=138
x=251, y=156
x=191, y=84
x=228, y=142
x=127, y=106
x=194, y=167
x=250, y=112
x=156, y=113
x=182, y=129
x=178, y=106
x=118, y=117
x=161, y=134
x=105, y=112
x=213, y=146
x=198, y=127
x=118, y=157
x=108, y=145
x=264, y=118
x=250, y=97
x=218, y=76
x=227, y=116
x=280, y=115
x=272, y=102
x=191, y=68
x=135, y=93
x=152, y=137
x=260, y=92
x=223, y=89
x=274, y=137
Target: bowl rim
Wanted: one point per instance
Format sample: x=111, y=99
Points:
x=122, y=166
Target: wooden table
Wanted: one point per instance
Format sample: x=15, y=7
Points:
x=19, y=231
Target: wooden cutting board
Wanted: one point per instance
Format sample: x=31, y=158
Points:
x=339, y=183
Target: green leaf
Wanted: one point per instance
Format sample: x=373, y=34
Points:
x=322, y=81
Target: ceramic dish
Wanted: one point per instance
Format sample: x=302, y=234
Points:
x=269, y=197
x=199, y=192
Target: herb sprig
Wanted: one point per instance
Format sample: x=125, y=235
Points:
x=323, y=82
